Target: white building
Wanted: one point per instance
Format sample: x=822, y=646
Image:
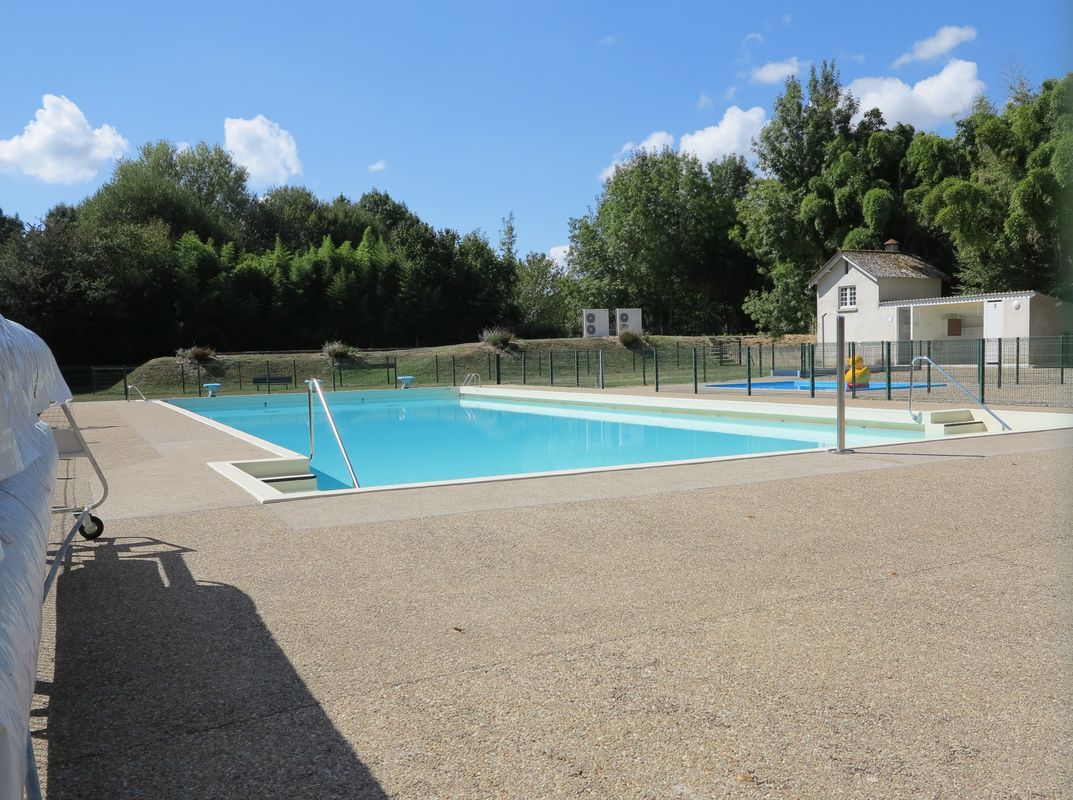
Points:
x=887, y=295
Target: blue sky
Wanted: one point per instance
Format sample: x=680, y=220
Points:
x=466, y=110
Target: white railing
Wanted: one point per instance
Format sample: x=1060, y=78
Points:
x=314, y=386
x=472, y=379
x=957, y=383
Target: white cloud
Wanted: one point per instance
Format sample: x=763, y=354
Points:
x=266, y=150
x=378, y=166
x=733, y=134
x=752, y=38
x=927, y=102
x=59, y=146
x=558, y=254
x=654, y=143
x=787, y=19
x=945, y=39
x=777, y=71
x=730, y=93
x=607, y=40
x=703, y=102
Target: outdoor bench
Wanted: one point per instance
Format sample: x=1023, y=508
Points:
x=271, y=380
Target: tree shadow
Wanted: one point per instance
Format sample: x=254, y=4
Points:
x=167, y=687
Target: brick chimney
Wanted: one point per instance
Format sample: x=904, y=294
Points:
x=891, y=245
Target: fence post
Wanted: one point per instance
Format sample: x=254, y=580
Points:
x=739, y=351
x=772, y=357
x=704, y=357
x=182, y=375
x=499, y=373
x=655, y=367
x=853, y=370
x=199, y=381
x=1017, y=360
x=126, y=385
x=600, y=367
x=999, y=384
x=694, y=370
x=749, y=371
x=1062, y=359
x=387, y=370
x=677, y=363
x=333, y=380
x=980, y=367
x=524, y=376
x=760, y=352
x=268, y=376
x=812, y=370
x=928, y=369
x=886, y=359
x=240, y=375
x=577, y=369
x=454, y=372
x=644, y=369
x=437, y=359
x=551, y=367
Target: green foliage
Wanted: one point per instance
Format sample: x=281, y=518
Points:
x=629, y=338
x=998, y=193
x=544, y=298
x=499, y=338
x=336, y=351
x=197, y=354
x=660, y=238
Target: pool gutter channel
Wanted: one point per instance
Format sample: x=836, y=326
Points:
x=287, y=476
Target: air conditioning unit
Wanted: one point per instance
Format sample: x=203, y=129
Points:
x=628, y=319
x=594, y=323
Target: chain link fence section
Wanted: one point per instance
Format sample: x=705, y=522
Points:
x=1035, y=371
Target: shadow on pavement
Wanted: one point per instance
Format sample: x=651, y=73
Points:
x=166, y=687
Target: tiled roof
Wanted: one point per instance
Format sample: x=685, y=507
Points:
x=884, y=264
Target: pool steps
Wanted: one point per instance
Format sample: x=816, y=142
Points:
x=953, y=422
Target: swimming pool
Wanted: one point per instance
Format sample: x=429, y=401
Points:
x=821, y=386
x=435, y=435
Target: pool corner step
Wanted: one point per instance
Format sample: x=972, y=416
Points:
x=953, y=422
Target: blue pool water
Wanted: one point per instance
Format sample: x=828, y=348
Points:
x=821, y=386
x=421, y=435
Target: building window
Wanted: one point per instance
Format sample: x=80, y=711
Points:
x=847, y=296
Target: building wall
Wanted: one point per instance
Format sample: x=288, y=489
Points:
x=869, y=323
x=909, y=288
x=1049, y=317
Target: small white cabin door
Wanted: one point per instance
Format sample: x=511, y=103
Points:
x=993, y=319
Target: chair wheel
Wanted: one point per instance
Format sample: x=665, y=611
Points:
x=91, y=527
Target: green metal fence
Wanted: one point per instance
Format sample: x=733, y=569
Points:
x=1026, y=371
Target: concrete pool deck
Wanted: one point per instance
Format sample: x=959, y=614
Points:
x=891, y=623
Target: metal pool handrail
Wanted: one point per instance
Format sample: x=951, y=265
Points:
x=472, y=379
x=957, y=383
x=313, y=384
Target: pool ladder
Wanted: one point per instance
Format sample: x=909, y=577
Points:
x=472, y=379
x=919, y=416
x=313, y=386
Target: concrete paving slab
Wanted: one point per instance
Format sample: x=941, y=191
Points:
x=887, y=624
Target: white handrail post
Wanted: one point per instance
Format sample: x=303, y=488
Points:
x=840, y=386
x=315, y=384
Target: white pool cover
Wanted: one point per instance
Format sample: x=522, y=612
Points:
x=29, y=381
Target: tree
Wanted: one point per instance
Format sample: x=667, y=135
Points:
x=659, y=238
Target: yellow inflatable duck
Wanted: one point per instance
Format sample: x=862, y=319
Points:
x=857, y=376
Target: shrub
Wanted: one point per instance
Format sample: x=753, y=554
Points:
x=336, y=350
x=629, y=338
x=199, y=354
x=499, y=338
